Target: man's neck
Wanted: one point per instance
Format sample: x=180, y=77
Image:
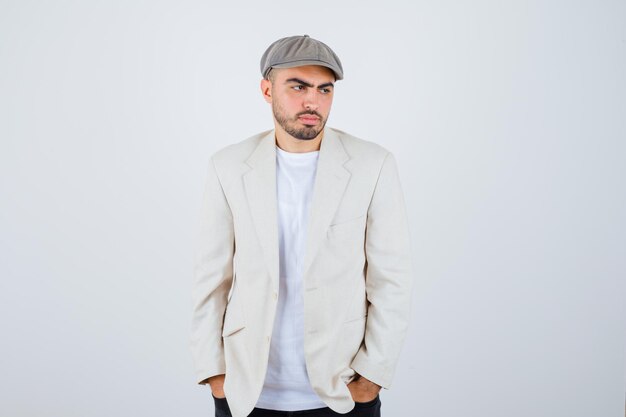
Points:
x=288, y=143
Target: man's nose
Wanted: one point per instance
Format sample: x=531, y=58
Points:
x=311, y=100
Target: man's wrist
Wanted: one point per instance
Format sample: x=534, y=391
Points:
x=362, y=380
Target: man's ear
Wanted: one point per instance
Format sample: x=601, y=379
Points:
x=266, y=90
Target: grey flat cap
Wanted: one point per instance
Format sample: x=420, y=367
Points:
x=296, y=51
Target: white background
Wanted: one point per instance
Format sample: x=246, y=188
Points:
x=508, y=121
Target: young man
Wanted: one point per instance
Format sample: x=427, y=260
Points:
x=303, y=270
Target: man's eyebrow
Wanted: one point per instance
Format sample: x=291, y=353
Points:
x=299, y=81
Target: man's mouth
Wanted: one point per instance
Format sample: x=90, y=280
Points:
x=309, y=119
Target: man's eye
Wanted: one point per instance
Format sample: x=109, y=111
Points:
x=298, y=87
x=325, y=90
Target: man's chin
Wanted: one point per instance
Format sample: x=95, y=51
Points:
x=305, y=134
x=305, y=137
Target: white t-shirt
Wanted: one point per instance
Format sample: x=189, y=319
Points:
x=287, y=385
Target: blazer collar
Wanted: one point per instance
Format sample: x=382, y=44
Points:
x=331, y=179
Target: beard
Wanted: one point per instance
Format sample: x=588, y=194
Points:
x=292, y=127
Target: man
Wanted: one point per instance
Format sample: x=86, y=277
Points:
x=303, y=270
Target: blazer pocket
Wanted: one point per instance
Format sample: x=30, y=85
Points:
x=341, y=222
x=350, y=228
x=233, y=322
x=361, y=317
x=232, y=330
x=352, y=334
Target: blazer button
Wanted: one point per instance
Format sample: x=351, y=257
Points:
x=275, y=295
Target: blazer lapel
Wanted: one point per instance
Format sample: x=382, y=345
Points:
x=331, y=179
x=260, y=185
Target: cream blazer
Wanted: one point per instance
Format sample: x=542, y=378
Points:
x=357, y=269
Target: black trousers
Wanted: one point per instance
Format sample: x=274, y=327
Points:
x=368, y=409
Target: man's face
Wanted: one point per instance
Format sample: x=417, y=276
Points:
x=301, y=98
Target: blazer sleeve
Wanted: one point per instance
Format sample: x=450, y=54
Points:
x=213, y=274
x=388, y=278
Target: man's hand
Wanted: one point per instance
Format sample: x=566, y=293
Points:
x=363, y=390
x=217, y=385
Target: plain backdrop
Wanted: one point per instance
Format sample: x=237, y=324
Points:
x=508, y=121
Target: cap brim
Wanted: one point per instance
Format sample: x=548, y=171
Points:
x=302, y=63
